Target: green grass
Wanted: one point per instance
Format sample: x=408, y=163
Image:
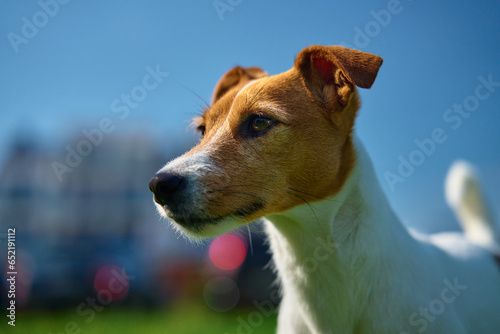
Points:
x=189, y=318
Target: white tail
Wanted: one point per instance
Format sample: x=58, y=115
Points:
x=465, y=196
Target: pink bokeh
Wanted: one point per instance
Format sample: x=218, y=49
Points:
x=227, y=252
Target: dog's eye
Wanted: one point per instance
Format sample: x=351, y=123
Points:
x=259, y=124
x=201, y=130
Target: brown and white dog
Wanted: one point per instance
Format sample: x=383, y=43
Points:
x=283, y=148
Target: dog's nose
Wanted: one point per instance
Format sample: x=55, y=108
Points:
x=164, y=186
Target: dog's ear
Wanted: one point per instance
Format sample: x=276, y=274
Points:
x=341, y=68
x=235, y=76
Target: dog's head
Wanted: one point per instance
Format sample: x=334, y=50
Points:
x=269, y=143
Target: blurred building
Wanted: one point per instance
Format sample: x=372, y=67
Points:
x=99, y=213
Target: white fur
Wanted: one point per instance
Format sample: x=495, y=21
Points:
x=196, y=167
x=198, y=164
x=347, y=265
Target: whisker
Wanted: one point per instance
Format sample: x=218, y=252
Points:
x=216, y=202
x=308, y=204
x=245, y=185
x=352, y=214
x=312, y=210
x=318, y=197
x=201, y=99
x=240, y=193
x=250, y=239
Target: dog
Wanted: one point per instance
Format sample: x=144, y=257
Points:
x=283, y=148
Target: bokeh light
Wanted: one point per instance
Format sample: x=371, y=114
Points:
x=111, y=283
x=221, y=294
x=227, y=252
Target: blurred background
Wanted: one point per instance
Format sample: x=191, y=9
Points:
x=97, y=96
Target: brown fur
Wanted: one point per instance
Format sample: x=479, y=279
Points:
x=308, y=155
x=235, y=77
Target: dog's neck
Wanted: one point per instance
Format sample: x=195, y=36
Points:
x=326, y=252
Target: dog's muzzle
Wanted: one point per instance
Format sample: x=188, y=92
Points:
x=174, y=194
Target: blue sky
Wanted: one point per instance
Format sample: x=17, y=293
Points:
x=84, y=55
